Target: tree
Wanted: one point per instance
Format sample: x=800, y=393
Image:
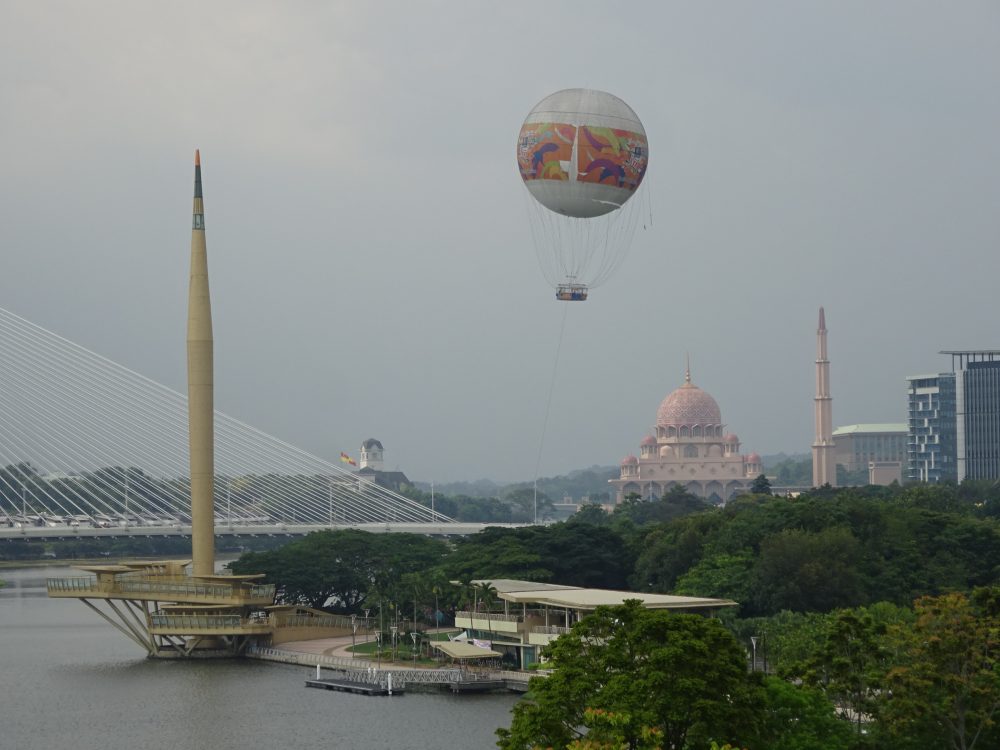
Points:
x=792, y=472
x=590, y=513
x=761, y=485
x=675, y=503
x=805, y=571
x=945, y=692
x=799, y=718
x=523, y=501
x=683, y=676
x=573, y=554
x=487, y=594
x=849, y=665
x=339, y=569
x=726, y=576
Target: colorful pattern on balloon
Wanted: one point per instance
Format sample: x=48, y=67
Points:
x=606, y=156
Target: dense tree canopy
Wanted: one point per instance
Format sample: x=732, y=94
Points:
x=826, y=550
x=825, y=582
x=339, y=569
x=575, y=554
x=943, y=689
x=683, y=675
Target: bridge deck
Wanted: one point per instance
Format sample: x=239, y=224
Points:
x=79, y=532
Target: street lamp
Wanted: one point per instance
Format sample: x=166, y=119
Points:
x=378, y=644
x=354, y=632
x=753, y=664
x=394, y=629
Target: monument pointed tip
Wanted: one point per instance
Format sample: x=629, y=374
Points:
x=197, y=174
x=822, y=318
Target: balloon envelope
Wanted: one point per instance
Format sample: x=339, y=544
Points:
x=582, y=153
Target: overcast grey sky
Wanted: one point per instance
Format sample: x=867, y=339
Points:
x=371, y=263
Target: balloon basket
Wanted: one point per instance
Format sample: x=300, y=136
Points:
x=571, y=292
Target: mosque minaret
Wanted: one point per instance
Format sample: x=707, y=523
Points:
x=824, y=460
x=690, y=449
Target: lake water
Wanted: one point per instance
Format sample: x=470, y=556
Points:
x=71, y=680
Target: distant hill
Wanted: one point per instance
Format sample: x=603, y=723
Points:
x=774, y=459
x=591, y=482
x=789, y=470
x=795, y=468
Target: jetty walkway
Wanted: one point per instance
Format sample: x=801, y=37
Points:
x=331, y=655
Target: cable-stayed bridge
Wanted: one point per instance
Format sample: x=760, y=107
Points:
x=91, y=448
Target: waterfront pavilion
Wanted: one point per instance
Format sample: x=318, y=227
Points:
x=534, y=614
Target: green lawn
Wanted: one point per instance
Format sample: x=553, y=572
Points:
x=404, y=650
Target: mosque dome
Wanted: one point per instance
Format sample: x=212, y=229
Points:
x=629, y=460
x=689, y=405
x=648, y=440
x=753, y=458
x=730, y=438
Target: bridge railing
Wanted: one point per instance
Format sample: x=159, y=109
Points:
x=550, y=629
x=314, y=621
x=263, y=593
x=78, y=584
x=196, y=590
x=359, y=668
x=494, y=616
x=183, y=623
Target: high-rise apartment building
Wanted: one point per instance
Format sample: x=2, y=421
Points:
x=931, y=449
x=977, y=414
x=954, y=420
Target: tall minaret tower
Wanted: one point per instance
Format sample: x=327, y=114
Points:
x=824, y=463
x=201, y=400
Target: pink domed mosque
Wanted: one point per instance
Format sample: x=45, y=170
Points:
x=689, y=449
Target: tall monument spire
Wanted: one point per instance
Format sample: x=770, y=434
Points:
x=201, y=399
x=824, y=463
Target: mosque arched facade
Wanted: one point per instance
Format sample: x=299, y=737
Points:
x=689, y=447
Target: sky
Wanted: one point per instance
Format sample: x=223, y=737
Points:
x=372, y=266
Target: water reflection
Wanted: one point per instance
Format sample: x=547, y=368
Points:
x=71, y=677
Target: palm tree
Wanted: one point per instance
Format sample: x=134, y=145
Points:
x=488, y=594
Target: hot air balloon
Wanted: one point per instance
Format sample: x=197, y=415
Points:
x=582, y=155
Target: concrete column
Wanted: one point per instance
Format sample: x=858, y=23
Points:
x=201, y=398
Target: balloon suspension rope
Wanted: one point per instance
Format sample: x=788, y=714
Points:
x=548, y=406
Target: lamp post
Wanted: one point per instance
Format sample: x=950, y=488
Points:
x=368, y=625
x=394, y=629
x=378, y=644
x=354, y=633
x=414, y=636
x=753, y=643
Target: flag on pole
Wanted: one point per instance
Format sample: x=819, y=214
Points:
x=347, y=459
